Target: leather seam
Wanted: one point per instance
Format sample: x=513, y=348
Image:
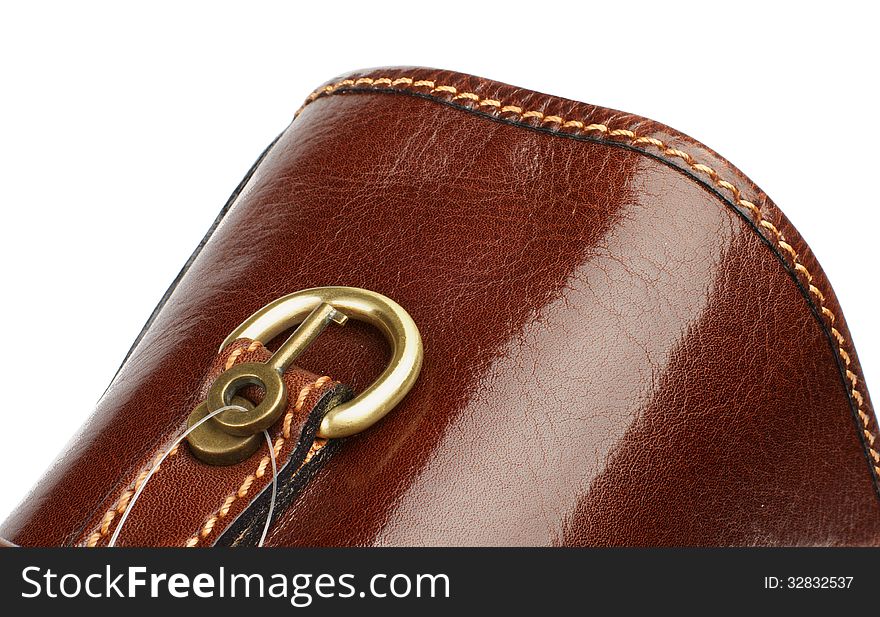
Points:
x=119, y=506
x=469, y=100
x=226, y=207
x=122, y=502
x=207, y=526
x=105, y=526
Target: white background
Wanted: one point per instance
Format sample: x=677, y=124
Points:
x=123, y=131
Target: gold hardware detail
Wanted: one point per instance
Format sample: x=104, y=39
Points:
x=214, y=445
x=225, y=439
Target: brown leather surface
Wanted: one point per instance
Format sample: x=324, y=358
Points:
x=190, y=503
x=626, y=342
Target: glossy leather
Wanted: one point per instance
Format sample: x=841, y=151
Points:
x=615, y=352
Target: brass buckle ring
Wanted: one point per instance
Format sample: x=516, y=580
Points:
x=234, y=434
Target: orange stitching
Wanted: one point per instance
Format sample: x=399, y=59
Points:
x=122, y=502
x=669, y=151
x=208, y=526
x=233, y=357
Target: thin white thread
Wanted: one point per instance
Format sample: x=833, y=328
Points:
x=274, y=488
x=177, y=442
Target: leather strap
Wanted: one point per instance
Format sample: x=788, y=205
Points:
x=190, y=503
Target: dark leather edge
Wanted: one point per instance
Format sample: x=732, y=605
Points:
x=246, y=529
x=217, y=220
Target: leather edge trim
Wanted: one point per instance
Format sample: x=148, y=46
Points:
x=230, y=201
x=247, y=527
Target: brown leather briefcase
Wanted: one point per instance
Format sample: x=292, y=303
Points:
x=581, y=327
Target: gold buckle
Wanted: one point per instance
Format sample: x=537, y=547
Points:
x=233, y=435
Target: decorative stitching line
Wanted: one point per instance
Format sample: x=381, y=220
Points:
x=255, y=345
x=637, y=140
x=208, y=526
x=122, y=503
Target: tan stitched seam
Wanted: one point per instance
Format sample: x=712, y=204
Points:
x=230, y=361
x=122, y=503
x=207, y=527
x=636, y=140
